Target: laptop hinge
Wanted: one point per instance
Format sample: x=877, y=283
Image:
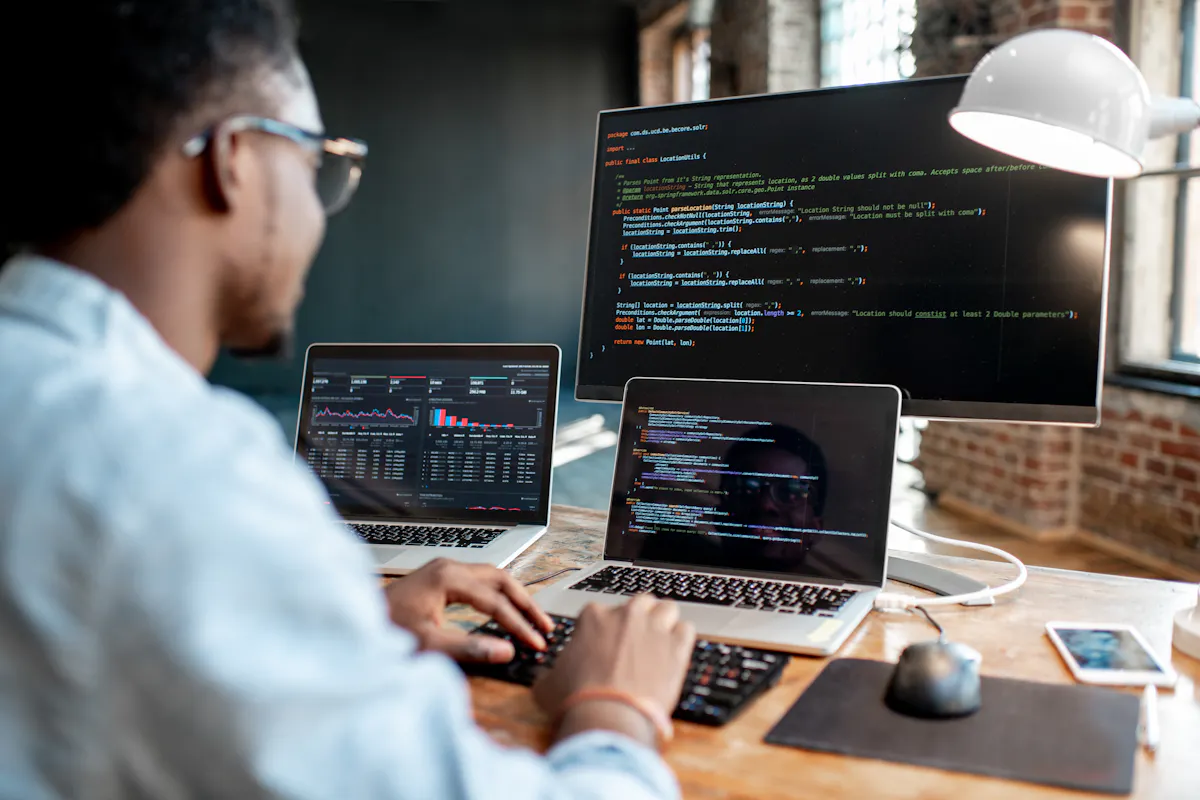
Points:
x=742, y=573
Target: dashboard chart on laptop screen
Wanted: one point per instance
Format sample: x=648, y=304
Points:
x=434, y=437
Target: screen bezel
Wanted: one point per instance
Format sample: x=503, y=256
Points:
x=1082, y=416
x=886, y=397
x=1164, y=676
x=448, y=352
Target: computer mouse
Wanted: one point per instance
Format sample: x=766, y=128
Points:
x=935, y=680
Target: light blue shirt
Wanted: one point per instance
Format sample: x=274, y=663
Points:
x=181, y=615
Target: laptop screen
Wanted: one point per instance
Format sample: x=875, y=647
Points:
x=780, y=478
x=437, y=433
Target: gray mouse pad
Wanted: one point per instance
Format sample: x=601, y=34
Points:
x=1077, y=737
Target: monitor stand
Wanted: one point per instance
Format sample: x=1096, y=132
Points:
x=940, y=581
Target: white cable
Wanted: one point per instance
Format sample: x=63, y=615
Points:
x=891, y=600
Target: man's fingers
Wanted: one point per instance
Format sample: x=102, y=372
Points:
x=462, y=646
x=641, y=603
x=524, y=601
x=665, y=614
x=503, y=611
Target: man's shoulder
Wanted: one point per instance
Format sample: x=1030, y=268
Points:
x=88, y=431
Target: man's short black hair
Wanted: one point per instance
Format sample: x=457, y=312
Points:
x=100, y=87
x=792, y=441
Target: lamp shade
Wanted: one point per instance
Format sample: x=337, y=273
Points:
x=1061, y=98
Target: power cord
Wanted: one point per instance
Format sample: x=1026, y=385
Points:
x=932, y=621
x=552, y=575
x=891, y=601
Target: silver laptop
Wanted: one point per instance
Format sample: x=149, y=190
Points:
x=433, y=451
x=761, y=507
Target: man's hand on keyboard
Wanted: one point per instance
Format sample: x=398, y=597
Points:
x=641, y=648
x=418, y=601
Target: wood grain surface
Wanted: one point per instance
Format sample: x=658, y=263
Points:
x=733, y=762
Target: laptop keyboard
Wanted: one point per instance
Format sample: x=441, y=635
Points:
x=426, y=536
x=721, y=681
x=718, y=590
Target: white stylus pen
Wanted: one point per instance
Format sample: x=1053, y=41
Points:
x=1150, y=718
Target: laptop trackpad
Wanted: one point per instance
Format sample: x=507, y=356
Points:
x=385, y=553
x=780, y=627
x=709, y=620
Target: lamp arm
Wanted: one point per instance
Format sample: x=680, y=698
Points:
x=1172, y=115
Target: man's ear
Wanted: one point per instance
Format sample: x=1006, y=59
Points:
x=221, y=175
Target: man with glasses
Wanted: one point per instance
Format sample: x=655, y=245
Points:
x=776, y=483
x=160, y=634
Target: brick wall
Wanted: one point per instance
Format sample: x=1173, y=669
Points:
x=952, y=35
x=1022, y=473
x=1140, y=475
x=740, y=33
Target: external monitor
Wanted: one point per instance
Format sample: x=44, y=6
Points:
x=844, y=235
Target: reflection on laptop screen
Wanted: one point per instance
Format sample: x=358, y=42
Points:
x=780, y=478
x=436, y=439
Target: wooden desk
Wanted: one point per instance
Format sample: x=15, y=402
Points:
x=733, y=762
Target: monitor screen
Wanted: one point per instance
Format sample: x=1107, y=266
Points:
x=781, y=479
x=429, y=433
x=844, y=235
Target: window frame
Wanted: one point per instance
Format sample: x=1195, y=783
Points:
x=1142, y=319
x=1186, y=192
x=828, y=74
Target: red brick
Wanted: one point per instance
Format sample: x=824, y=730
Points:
x=1184, y=516
x=1040, y=17
x=1189, y=432
x=1162, y=424
x=1188, y=450
x=989, y=451
x=972, y=447
x=1182, y=473
x=998, y=472
x=1191, y=496
x=1075, y=13
x=1107, y=473
x=1030, y=482
x=1065, y=447
x=1028, y=4
x=1032, y=463
x=1141, y=441
x=1156, y=467
x=1103, y=31
x=1104, y=12
x=1129, y=459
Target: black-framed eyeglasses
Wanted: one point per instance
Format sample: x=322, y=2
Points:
x=339, y=161
x=784, y=491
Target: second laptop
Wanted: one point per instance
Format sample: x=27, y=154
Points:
x=761, y=508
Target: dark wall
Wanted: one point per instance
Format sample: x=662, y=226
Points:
x=471, y=221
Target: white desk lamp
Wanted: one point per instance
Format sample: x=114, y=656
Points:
x=1075, y=102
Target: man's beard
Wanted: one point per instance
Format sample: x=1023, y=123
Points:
x=279, y=347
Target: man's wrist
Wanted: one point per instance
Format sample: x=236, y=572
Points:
x=608, y=715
